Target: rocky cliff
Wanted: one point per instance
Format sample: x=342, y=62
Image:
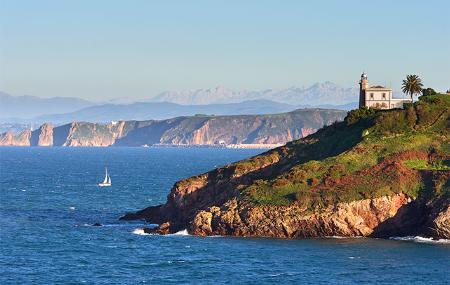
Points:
x=194, y=130
x=378, y=173
x=12, y=139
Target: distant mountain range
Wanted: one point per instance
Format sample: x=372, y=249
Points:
x=314, y=95
x=14, y=108
x=216, y=101
x=164, y=110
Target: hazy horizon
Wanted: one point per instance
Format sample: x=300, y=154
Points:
x=150, y=97
x=102, y=50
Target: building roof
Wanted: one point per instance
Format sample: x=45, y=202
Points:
x=379, y=88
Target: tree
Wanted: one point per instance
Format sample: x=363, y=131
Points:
x=412, y=85
x=428, y=92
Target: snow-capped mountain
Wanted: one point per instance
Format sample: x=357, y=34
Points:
x=317, y=94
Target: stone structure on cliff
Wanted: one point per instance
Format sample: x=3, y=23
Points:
x=378, y=97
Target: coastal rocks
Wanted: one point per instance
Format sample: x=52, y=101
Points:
x=441, y=224
x=88, y=134
x=358, y=218
x=45, y=137
x=438, y=222
x=11, y=139
x=162, y=229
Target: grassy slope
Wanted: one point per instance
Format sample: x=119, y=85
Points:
x=339, y=163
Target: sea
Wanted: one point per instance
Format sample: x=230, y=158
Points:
x=50, y=201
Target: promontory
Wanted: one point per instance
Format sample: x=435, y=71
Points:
x=376, y=174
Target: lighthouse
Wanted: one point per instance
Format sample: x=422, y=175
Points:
x=363, y=85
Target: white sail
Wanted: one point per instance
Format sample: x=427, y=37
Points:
x=107, y=180
x=106, y=176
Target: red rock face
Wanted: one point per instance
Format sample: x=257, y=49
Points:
x=358, y=218
x=6, y=139
x=10, y=139
x=308, y=131
x=45, y=135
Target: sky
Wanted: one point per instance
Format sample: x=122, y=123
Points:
x=104, y=49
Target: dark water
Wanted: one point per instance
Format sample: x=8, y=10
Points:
x=49, y=199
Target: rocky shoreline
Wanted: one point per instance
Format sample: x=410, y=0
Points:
x=384, y=217
x=212, y=204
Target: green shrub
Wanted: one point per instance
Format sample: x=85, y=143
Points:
x=428, y=92
x=355, y=115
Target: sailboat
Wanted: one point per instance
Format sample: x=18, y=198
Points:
x=107, y=181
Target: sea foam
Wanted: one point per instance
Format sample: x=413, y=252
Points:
x=180, y=233
x=140, y=231
x=420, y=239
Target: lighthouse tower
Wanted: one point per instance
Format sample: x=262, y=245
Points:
x=363, y=85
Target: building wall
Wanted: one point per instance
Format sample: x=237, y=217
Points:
x=378, y=95
x=378, y=99
x=398, y=103
x=375, y=99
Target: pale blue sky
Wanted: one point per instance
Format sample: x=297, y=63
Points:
x=105, y=49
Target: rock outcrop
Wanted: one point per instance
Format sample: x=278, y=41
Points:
x=358, y=218
x=45, y=135
x=11, y=139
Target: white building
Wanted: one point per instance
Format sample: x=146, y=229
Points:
x=378, y=97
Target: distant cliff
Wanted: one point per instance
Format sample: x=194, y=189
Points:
x=192, y=130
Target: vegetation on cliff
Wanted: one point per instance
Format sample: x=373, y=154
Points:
x=342, y=162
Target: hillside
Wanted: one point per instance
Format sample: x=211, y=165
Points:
x=193, y=130
x=376, y=174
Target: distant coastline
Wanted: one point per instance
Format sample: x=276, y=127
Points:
x=230, y=146
x=236, y=131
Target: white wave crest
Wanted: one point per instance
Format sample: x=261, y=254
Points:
x=215, y=236
x=140, y=231
x=180, y=233
x=420, y=239
x=343, y=237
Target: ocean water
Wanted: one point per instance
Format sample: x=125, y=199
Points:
x=49, y=201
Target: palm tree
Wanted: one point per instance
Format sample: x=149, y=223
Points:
x=412, y=85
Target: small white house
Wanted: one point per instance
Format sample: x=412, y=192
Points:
x=379, y=97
